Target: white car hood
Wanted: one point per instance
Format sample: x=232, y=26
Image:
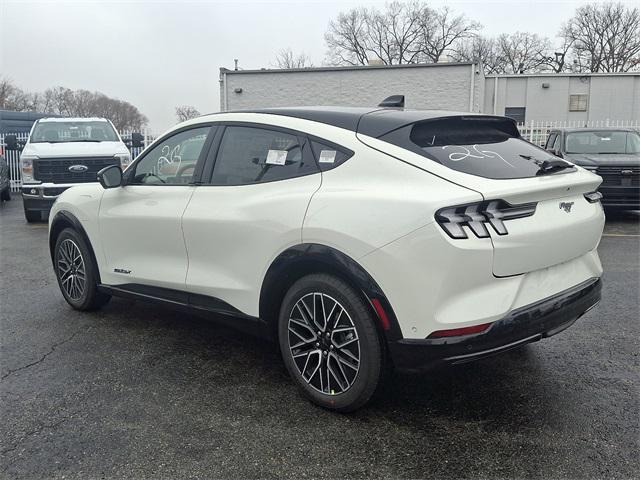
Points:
x=74, y=149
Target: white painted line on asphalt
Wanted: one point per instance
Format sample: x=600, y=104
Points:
x=619, y=235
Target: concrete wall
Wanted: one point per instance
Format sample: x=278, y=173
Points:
x=614, y=97
x=438, y=86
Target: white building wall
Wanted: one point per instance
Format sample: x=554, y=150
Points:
x=437, y=86
x=614, y=97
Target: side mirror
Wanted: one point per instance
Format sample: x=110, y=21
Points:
x=11, y=142
x=110, y=177
x=137, y=140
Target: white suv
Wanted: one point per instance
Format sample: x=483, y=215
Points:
x=358, y=238
x=62, y=152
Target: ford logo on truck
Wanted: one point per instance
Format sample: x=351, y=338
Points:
x=78, y=168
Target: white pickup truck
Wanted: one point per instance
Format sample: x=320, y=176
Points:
x=63, y=152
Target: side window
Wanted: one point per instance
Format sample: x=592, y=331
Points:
x=172, y=161
x=556, y=144
x=329, y=156
x=550, y=140
x=253, y=155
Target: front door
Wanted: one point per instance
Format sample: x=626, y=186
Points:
x=140, y=223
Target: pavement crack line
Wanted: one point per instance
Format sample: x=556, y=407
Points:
x=38, y=430
x=42, y=359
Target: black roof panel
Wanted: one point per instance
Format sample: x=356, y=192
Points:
x=373, y=122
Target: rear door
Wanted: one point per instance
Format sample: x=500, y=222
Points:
x=486, y=154
x=252, y=207
x=140, y=223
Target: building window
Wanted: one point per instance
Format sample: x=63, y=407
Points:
x=517, y=113
x=578, y=103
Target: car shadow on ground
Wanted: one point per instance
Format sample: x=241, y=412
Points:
x=478, y=390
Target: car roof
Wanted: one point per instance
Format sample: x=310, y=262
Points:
x=593, y=129
x=368, y=121
x=71, y=119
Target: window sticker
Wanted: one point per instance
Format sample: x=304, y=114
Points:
x=276, y=157
x=327, y=156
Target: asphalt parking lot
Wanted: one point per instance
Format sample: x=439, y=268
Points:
x=139, y=391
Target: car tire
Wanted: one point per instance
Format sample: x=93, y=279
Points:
x=77, y=272
x=32, y=216
x=6, y=195
x=326, y=326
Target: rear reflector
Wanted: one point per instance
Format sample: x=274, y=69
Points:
x=384, y=319
x=458, y=332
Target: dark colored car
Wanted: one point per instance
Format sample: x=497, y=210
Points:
x=612, y=153
x=5, y=183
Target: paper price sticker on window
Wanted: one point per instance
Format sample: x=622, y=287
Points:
x=276, y=157
x=327, y=156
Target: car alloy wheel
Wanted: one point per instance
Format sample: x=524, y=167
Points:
x=324, y=343
x=71, y=269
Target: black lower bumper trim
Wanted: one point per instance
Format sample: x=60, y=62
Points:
x=524, y=325
x=38, y=204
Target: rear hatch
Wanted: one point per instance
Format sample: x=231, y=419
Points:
x=555, y=223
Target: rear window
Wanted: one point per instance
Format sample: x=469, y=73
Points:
x=487, y=147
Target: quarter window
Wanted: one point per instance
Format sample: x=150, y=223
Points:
x=250, y=155
x=173, y=161
x=328, y=156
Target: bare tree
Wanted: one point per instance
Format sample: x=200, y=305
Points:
x=480, y=50
x=72, y=103
x=522, y=52
x=186, y=112
x=605, y=37
x=441, y=29
x=14, y=98
x=347, y=38
x=403, y=32
x=287, y=59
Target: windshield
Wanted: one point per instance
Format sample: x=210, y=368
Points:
x=605, y=141
x=57, y=132
x=486, y=147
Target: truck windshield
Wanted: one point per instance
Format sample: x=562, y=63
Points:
x=604, y=141
x=58, y=132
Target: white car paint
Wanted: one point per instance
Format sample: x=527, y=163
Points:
x=375, y=208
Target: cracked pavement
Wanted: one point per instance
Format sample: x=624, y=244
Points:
x=140, y=391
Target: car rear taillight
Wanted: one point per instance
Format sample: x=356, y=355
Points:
x=476, y=216
x=593, y=197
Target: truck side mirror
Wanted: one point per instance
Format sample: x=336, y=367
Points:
x=137, y=140
x=11, y=142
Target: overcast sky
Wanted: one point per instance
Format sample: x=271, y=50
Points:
x=159, y=54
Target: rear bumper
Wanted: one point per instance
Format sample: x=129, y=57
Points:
x=524, y=325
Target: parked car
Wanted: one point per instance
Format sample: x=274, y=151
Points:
x=63, y=152
x=612, y=153
x=5, y=181
x=356, y=238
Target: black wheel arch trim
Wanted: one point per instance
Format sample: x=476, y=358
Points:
x=62, y=219
x=307, y=258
